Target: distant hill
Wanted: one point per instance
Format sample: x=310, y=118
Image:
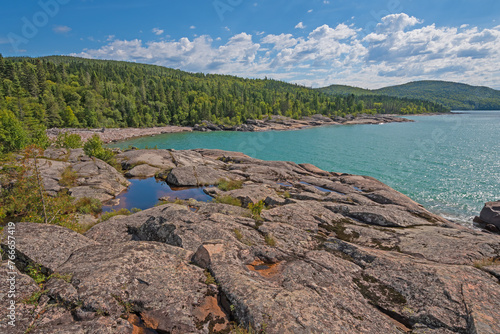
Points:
x=346, y=90
x=452, y=95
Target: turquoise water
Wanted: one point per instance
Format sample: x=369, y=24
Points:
x=448, y=163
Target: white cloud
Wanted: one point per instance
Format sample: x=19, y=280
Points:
x=192, y=27
x=61, y=29
x=400, y=49
x=300, y=25
x=158, y=31
x=281, y=41
x=310, y=11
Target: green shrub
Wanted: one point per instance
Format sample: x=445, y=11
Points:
x=257, y=207
x=34, y=271
x=68, y=177
x=13, y=137
x=93, y=148
x=227, y=185
x=67, y=140
x=88, y=205
x=228, y=200
x=109, y=215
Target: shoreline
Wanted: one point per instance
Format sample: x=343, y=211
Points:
x=275, y=123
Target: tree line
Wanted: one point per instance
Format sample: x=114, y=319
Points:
x=61, y=91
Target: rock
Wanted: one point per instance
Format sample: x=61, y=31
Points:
x=16, y=283
x=161, y=159
x=315, y=170
x=340, y=254
x=143, y=171
x=250, y=194
x=194, y=176
x=490, y=214
x=46, y=245
x=152, y=279
x=391, y=216
x=97, y=179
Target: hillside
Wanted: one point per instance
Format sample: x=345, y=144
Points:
x=346, y=90
x=74, y=92
x=454, y=96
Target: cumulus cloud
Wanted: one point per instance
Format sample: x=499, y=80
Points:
x=158, y=31
x=400, y=49
x=300, y=25
x=61, y=29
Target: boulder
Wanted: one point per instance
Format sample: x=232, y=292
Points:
x=490, y=214
x=143, y=171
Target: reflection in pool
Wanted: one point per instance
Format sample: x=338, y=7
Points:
x=145, y=193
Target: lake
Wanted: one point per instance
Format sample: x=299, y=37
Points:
x=448, y=163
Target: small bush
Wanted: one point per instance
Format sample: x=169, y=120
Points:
x=34, y=298
x=88, y=206
x=109, y=215
x=93, y=148
x=257, y=207
x=209, y=278
x=67, y=140
x=34, y=271
x=68, y=177
x=227, y=185
x=228, y=200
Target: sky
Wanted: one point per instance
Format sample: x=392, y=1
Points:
x=315, y=43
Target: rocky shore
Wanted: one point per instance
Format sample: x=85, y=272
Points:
x=300, y=250
x=277, y=123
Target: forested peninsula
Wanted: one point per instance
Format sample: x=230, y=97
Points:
x=60, y=91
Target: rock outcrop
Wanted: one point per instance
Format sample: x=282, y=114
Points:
x=330, y=253
x=490, y=216
x=80, y=175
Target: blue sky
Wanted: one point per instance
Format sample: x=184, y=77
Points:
x=368, y=44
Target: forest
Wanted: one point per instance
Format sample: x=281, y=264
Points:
x=60, y=91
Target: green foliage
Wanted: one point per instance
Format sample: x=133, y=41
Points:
x=34, y=298
x=75, y=92
x=34, y=271
x=257, y=207
x=88, y=206
x=25, y=199
x=228, y=200
x=227, y=185
x=209, y=278
x=423, y=96
x=12, y=135
x=68, y=140
x=68, y=177
x=108, y=215
x=93, y=148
